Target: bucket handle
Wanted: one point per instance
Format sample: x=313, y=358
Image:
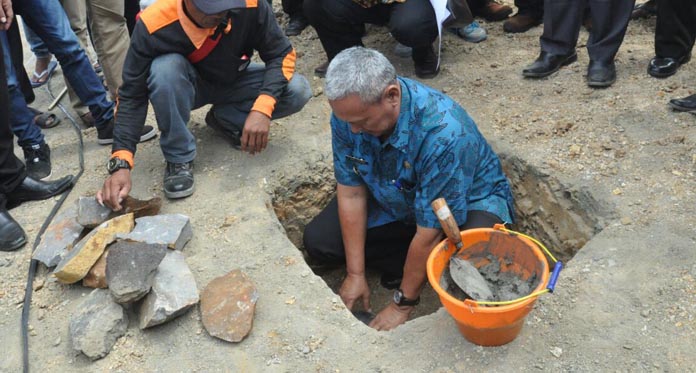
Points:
x=550, y=287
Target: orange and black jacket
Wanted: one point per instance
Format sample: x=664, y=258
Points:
x=164, y=28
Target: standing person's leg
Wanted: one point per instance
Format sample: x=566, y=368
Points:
x=47, y=18
x=111, y=40
x=231, y=105
x=675, y=33
x=609, y=24
x=43, y=67
x=298, y=22
x=340, y=24
x=530, y=13
x=562, y=20
x=413, y=24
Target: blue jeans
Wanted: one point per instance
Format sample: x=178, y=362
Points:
x=175, y=89
x=21, y=118
x=48, y=20
x=35, y=43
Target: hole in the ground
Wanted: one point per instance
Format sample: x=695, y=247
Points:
x=562, y=217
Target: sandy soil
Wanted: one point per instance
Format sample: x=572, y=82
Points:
x=617, y=161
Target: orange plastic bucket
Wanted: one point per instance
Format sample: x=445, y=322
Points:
x=490, y=325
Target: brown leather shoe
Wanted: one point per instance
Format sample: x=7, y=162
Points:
x=520, y=23
x=320, y=71
x=494, y=12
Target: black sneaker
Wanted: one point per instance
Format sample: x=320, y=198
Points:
x=233, y=136
x=105, y=135
x=178, y=180
x=425, y=62
x=37, y=158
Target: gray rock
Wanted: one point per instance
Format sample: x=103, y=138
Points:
x=98, y=323
x=90, y=213
x=130, y=269
x=61, y=234
x=173, y=230
x=173, y=291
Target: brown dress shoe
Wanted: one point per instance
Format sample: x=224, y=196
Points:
x=494, y=12
x=320, y=71
x=520, y=23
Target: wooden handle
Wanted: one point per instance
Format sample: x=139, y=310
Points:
x=449, y=225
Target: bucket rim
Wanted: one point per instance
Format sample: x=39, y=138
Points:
x=469, y=303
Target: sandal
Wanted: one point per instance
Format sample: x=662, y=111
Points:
x=38, y=80
x=45, y=120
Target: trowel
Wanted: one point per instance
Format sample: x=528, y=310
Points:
x=464, y=274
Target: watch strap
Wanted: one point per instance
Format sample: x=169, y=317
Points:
x=126, y=155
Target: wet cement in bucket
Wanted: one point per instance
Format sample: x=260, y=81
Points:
x=504, y=285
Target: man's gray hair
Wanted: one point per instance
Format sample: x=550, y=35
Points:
x=359, y=71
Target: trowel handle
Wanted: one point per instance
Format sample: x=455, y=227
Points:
x=449, y=225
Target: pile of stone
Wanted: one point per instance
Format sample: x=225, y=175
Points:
x=131, y=256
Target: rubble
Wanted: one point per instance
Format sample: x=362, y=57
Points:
x=61, y=234
x=75, y=265
x=130, y=269
x=228, y=304
x=97, y=325
x=173, y=291
x=173, y=230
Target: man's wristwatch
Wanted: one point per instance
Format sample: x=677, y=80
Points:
x=401, y=300
x=116, y=164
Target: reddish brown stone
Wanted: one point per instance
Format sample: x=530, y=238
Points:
x=227, y=306
x=141, y=208
x=96, y=277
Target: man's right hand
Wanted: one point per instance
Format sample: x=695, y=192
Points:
x=115, y=189
x=6, y=14
x=355, y=287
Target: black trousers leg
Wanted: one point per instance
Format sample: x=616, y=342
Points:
x=11, y=169
x=609, y=24
x=386, y=246
x=292, y=7
x=413, y=24
x=532, y=8
x=340, y=24
x=675, y=30
x=562, y=20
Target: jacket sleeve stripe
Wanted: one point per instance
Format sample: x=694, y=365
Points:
x=289, y=64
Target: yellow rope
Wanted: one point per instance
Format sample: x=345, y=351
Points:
x=553, y=258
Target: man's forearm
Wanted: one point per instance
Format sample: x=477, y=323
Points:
x=352, y=214
x=418, y=252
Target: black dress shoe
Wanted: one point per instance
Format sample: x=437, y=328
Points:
x=663, y=67
x=547, y=64
x=12, y=235
x=687, y=104
x=645, y=10
x=425, y=62
x=35, y=190
x=297, y=23
x=320, y=71
x=601, y=75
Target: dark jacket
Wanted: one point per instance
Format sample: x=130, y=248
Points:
x=164, y=28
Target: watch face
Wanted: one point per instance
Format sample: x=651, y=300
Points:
x=398, y=295
x=111, y=164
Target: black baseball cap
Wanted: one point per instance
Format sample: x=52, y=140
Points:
x=209, y=7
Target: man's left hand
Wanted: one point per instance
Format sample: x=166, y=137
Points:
x=6, y=14
x=391, y=317
x=255, y=134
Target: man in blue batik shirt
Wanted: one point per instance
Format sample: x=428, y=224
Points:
x=398, y=145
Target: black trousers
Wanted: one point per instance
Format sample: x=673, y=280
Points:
x=340, y=24
x=386, y=246
x=675, y=30
x=563, y=18
x=292, y=7
x=11, y=169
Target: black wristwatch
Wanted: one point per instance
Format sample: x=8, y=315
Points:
x=116, y=164
x=401, y=300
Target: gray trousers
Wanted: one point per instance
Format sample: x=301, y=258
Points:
x=175, y=89
x=563, y=18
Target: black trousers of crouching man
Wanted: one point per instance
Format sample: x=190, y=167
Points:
x=675, y=30
x=340, y=24
x=386, y=246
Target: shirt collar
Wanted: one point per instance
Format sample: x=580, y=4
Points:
x=196, y=34
x=399, y=138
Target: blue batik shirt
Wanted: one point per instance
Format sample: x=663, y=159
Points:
x=435, y=151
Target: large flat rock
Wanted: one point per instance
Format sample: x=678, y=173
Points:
x=79, y=260
x=90, y=213
x=98, y=323
x=228, y=304
x=130, y=269
x=173, y=230
x=173, y=291
x=59, y=236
